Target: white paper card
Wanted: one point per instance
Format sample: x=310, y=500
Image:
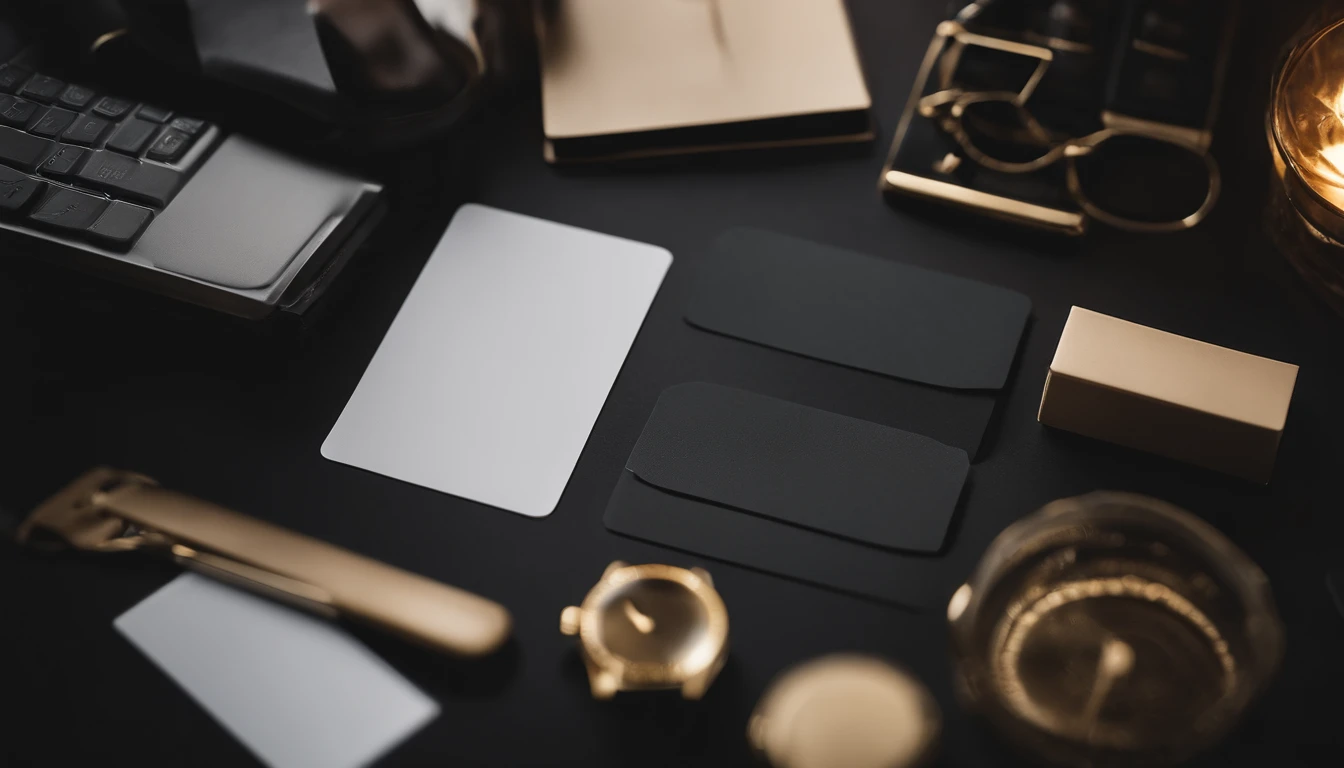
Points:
x=494, y=371
x=295, y=689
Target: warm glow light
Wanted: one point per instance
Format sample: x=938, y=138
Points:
x=1308, y=122
x=1333, y=154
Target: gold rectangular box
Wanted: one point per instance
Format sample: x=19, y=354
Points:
x=1136, y=386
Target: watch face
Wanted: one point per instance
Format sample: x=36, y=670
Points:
x=654, y=621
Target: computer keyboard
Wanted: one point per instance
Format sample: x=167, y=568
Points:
x=134, y=191
x=89, y=165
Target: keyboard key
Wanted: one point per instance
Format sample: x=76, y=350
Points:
x=42, y=88
x=17, y=189
x=125, y=177
x=120, y=225
x=188, y=125
x=170, y=146
x=86, y=130
x=154, y=114
x=16, y=112
x=53, y=123
x=110, y=106
x=131, y=137
x=23, y=151
x=76, y=96
x=12, y=78
x=68, y=210
x=64, y=162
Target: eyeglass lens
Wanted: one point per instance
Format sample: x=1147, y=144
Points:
x=1144, y=180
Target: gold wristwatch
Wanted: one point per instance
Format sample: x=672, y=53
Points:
x=650, y=627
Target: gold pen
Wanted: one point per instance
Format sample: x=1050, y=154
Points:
x=108, y=510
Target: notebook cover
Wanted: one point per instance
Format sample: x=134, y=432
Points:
x=612, y=67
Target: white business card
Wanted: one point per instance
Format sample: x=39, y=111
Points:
x=297, y=690
x=493, y=373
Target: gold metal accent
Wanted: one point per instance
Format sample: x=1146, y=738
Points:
x=650, y=627
x=960, y=599
x=950, y=34
x=1155, y=132
x=845, y=710
x=1197, y=139
x=106, y=38
x=642, y=622
x=946, y=105
x=112, y=511
x=1160, y=51
x=1113, y=630
x=957, y=39
x=1115, y=657
x=947, y=164
x=1058, y=43
x=995, y=206
x=1117, y=661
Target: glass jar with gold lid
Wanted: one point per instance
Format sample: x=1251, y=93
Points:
x=1114, y=630
x=1305, y=128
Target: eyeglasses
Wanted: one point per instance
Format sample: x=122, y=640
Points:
x=1126, y=165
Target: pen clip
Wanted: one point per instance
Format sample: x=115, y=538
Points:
x=111, y=511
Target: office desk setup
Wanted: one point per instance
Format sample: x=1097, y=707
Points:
x=613, y=446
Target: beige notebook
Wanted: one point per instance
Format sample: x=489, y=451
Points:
x=631, y=78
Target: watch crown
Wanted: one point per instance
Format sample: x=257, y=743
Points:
x=569, y=620
x=604, y=684
x=615, y=565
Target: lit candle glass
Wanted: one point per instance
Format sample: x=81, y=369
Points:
x=1306, y=137
x=1114, y=629
x=1309, y=113
x=1331, y=168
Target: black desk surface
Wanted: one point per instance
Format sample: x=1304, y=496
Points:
x=211, y=410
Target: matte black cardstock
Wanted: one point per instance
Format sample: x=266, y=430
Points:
x=856, y=310
x=791, y=490
x=641, y=511
x=811, y=468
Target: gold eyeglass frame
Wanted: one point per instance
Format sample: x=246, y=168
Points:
x=947, y=106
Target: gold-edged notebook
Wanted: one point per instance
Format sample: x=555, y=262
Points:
x=639, y=78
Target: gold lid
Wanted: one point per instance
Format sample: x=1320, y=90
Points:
x=850, y=710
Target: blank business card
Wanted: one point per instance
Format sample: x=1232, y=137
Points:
x=295, y=689
x=493, y=373
x=838, y=475
x=856, y=310
x=792, y=490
